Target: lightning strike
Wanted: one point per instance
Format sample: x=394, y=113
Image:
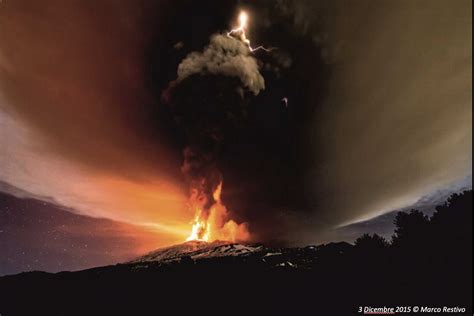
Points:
x=239, y=33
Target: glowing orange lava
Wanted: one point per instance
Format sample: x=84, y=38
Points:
x=201, y=229
x=214, y=224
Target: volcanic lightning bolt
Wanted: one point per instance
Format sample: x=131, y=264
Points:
x=239, y=33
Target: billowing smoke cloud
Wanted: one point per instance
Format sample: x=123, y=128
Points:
x=224, y=56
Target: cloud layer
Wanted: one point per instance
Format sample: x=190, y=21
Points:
x=77, y=124
x=395, y=123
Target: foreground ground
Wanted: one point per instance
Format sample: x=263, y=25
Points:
x=221, y=278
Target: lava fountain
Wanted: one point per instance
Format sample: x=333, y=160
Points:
x=214, y=224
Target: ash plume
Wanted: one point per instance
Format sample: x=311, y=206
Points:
x=209, y=101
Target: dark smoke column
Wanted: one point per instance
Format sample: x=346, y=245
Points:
x=208, y=101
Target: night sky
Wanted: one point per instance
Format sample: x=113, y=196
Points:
x=99, y=101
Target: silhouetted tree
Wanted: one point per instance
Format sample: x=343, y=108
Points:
x=451, y=236
x=373, y=242
x=371, y=252
x=452, y=222
x=410, y=229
